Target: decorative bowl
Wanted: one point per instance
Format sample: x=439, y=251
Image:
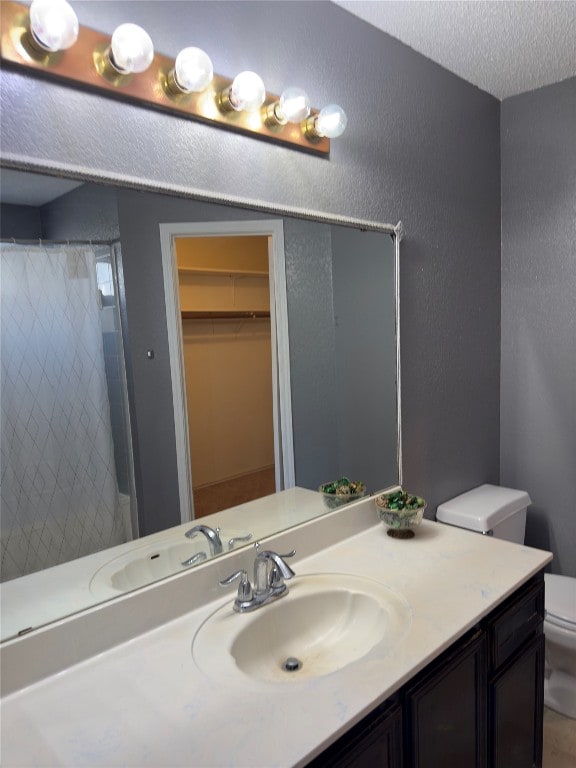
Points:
x=400, y=512
x=342, y=491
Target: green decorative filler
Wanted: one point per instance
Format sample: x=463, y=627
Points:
x=400, y=512
x=341, y=491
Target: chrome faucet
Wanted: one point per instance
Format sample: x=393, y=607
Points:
x=270, y=570
x=212, y=535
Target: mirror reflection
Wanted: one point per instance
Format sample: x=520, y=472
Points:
x=91, y=492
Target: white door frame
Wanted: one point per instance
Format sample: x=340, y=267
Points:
x=281, y=395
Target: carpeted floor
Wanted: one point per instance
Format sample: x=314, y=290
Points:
x=234, y=491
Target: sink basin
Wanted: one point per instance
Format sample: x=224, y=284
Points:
x=146, y=563
x=326, y=622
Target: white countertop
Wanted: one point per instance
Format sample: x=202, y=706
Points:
x=145, y=703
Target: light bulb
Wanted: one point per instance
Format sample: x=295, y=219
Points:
x=131, y=48
x=53, y=24
x=247, y=93
x=331, y=122
x=193, y=70
x=294, y=105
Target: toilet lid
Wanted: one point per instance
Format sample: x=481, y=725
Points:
x=561, y=597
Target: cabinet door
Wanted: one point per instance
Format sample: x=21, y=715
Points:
x=376, y=742
x=516, y=710
x=515, y=622
x=445, y=710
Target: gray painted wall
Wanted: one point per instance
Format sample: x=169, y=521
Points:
x=22, y=221
x=538, y=396
x=422, y=145
x=89, y=212
x=365, y=325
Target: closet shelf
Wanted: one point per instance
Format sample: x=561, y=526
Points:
x=222, y=272
x=223, y=315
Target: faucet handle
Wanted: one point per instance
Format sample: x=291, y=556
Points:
x=277, y=578
x=198, y=557
x=232, y=541
x=280, y=569
x=244, y=587
x=268, y=554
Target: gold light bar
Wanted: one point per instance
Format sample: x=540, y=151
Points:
x=85, y=64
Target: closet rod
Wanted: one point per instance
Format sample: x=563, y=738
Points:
x=206, y=315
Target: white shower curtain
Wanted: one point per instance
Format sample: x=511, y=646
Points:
x=58, y=479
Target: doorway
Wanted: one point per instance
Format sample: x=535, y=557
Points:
x=225, y=312
x=229, y=352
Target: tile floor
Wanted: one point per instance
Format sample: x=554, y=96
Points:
x=559, y=741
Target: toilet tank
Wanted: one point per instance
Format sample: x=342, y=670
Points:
x=488, y=509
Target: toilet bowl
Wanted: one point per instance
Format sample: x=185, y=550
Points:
x=501, y=512
x=560, y=632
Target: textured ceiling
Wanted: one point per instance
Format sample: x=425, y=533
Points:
x=504, y=47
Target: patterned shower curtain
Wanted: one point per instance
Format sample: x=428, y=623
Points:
x=58, y=479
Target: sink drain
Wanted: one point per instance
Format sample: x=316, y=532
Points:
x=292, y=664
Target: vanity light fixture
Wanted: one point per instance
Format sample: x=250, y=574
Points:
x=246, y=94
x=46, y=38
x=131, y=49
x=192, y=71
x=331, y=122
x=293, y=106
x=53, y=25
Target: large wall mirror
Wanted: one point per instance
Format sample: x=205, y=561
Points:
x=85, y=314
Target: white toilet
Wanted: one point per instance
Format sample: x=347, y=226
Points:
x=560, y=631
x=501, y=512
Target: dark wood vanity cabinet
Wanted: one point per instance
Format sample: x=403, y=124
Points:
x=445, y=709
x=516, y=682
x=375, y=742
x=516, y=710
x=479, y=705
